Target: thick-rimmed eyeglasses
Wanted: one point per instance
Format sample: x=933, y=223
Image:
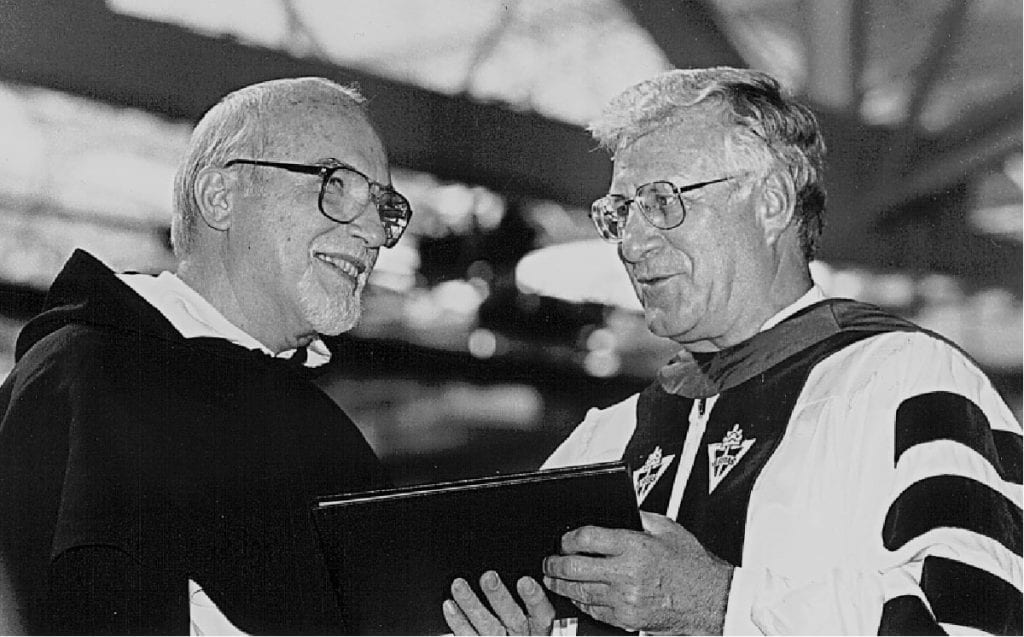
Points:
x=345, y=191
x=659, y=202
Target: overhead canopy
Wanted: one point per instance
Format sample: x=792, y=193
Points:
x=894, y=172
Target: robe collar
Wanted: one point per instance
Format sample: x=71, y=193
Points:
x=707, y=374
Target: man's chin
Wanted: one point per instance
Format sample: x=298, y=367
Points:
x=675, y=330
x=332, y=319
x=323, y=310
x=335, y=327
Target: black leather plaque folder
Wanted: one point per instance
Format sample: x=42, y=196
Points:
x=392, y=554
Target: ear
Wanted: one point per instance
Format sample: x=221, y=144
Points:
x=214, y=190
x=776, y=206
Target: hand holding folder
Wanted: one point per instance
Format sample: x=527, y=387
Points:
x=392, y=555
x=531, y=613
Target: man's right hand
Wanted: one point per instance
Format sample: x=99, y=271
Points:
x=467, y=615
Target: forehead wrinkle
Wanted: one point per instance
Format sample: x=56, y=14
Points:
x=681, y=151
x=334, y=136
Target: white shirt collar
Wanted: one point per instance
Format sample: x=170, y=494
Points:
x=195, y=317
x=810, y=297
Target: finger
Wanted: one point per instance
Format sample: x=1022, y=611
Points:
x=538, y=607
x=595, y=540
x=457, y=621
x=656, y=524
x=482, y=620
x=578, y=567
x=653, y=521
x=502, y=603
x=587, y=593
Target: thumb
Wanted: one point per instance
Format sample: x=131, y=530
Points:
x=655, y=523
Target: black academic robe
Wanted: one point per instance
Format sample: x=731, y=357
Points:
x=133, y=459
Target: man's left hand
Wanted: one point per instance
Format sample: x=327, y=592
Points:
x=660, y=581
x=467, y=615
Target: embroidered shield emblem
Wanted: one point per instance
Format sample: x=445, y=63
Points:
x=723, y=456
x=647, y=476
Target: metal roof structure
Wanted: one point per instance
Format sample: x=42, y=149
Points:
x=920, y=102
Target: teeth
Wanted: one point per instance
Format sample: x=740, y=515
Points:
x=341, y=264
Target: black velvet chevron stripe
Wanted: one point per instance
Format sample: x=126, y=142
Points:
x=952, y=501
x=948, y=416
x=1008, y=444
x=907, y=615
x=967, y=596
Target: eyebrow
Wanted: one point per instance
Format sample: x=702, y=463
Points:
x=331, y=161
x=337, y=163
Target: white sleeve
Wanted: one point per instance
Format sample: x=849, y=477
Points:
x=927, y=438
x=601, y=437
x=846, y=602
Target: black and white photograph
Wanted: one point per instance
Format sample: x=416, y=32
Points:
x=511, y=317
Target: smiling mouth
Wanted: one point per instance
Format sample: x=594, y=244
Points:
x=347, y=265
x=652, y=280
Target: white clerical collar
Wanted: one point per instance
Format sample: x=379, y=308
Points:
x=195, y=317
x=812, y=296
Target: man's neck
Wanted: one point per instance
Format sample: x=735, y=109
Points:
x=785, y=290
x=211, y=281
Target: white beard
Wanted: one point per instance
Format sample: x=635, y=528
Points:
x=329, y=314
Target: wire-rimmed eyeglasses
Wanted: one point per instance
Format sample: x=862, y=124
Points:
x=659, y=202
x=345, y=191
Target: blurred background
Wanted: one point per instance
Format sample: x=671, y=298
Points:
x=499, y=319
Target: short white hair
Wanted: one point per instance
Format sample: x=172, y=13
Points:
x=240, y=125
x=767, y=129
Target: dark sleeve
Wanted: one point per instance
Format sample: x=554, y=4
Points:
x=100, y=590
x=90, y=587
x=111, y=559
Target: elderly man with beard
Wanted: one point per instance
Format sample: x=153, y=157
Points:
x=161, y=438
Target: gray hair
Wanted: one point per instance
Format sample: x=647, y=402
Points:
x=240, y=125
x=769, y=130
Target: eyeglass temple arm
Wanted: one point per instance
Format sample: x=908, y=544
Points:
x=701, y=184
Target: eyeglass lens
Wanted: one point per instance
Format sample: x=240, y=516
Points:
x=609, y=215
x=658, y=202
x=345, y=192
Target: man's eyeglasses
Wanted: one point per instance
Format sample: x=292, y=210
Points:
x=659, y=202
x=344, y=192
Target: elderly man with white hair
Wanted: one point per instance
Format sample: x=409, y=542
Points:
x=162, y=434
x=803, y=465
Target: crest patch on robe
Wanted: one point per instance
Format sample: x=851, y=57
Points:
x=647, y=476
x=723, y=456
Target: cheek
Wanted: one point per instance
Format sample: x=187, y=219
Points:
x=292, y=242
x=287, y=265
x=709, y=251
x=689, y=256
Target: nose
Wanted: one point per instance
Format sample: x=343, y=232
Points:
x=368, y=226
x=639, y=237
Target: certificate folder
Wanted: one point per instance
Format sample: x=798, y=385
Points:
x=392, y=554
